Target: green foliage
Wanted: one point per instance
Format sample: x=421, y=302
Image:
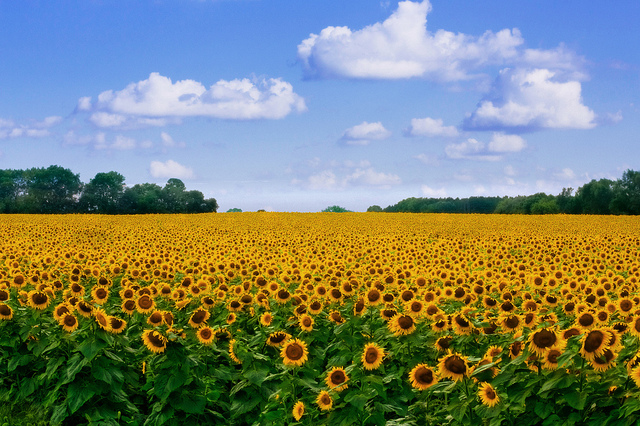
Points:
x=234, y=210
x=335, y=209
x=58, y=190
x=374, y=208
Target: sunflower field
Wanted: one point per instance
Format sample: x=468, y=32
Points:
x=319, y=318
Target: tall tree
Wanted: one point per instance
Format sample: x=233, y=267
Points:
x=103, y=193
x=51, y=190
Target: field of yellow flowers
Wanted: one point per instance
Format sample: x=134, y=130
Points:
x=320, y=318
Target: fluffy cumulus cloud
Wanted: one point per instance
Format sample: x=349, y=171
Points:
x=531, y=99
x=170, y=169
x=154, y=101
x=343, y=175
x=430, y=127
x=506, y=143
x=402, y=47
x=364, y=133
x=35, y=129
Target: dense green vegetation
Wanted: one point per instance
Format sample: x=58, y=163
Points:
x=58, y=190
x=603, y=196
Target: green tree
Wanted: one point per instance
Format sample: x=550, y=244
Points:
x=335, y=209
x=51, y=190
x=595, y=197
x=143, y=198
x=234, y=210
x=103, y=193
x=374, y=208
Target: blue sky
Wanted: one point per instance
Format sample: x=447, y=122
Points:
x=292, y=105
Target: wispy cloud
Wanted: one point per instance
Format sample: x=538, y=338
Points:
x=364, y=133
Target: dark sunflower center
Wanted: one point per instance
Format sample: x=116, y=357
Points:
x=515, y=348
x=571, y=332
x=325, y=399
x=444, y=342
x=416, y=307
x=373, y=295
x=432, y=310
x=5, y=310
x=360, y=305
x=586, y=320
x=371, y=355
x=39, y=298
x=294, y=352
x=459, y=292
x=205, y=333
x=277, y=338
x=424, y=376
x=512, y=322
x=490, y=394
x=4, y=295
x=626, y=305
x=306, y=321
x=246, y=299
x=605, y=358
x=405, y=322
x=198, y=316
x=283, y=294
x=462, y=322
x=552, y=356
x=70, y=320
x=544, y=338
x=593, y=341
x=315, y=306
x=145, y=302
x=338, y=377
x=129, y=305
x=156, y=318
x=234, y=304
x=116, y=323
x=156, y=340
x=455, y=365
x=101, y=293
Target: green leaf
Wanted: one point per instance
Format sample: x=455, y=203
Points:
x=77, y=395
x=257, y=377
x=576, y=399
x=358, y=400
x=543, y=409
x=90, y=347
x=19, y=361
x=74, y=366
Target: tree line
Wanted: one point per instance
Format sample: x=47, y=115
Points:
x=56, y=190
x=604, y=196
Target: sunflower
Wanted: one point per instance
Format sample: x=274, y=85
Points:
x=571, y=332
x=402, y=324
x=634, y=325
x=38, y=299
x=155, y=319
x=543, y=339
x=372, y=356
x=373, y=297
x=306, y=322
x=205, y=335
x=488, y=373
x=294, y=352
x=117, y=325
x=6, y=313
x=60, y=310
x=443, y=343
x=550, y=359
x=453, y=366
x=266, y=319
x=511, y=323
x=493, y=352
x=231, y=318
x=635, y=375
x=315, y=307
x=337, y=379
x=145, y=304
x=324, y=401
x=488, y=395
x=232, y=353
x=4, y=294
x=422, y=377
x=336, y=317
x=515, y=349
x=199, y=317
x=84, y=308
x=593, y=344
x=298, y=410
x=360, y=307
x=99, y=295
x=102, y=319
x=461, y=325
x=69, y=322
x=604, y=361
x=585, y=321
x=278, y=338
x=154, y=341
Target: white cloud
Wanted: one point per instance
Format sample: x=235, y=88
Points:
x=168, y=142
x=84, y=103
x=506, y=143
x=35, y=129
x=369, y=177
x=364, y=133
x=152, y=101
x=430, y=127
x=340, y=175
x=509, y=170
x=565, y=174
x=429, y=192
x=401, y=47
x=426, y=159
x=472, y=149
x=170, y=169
x=525, y=100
